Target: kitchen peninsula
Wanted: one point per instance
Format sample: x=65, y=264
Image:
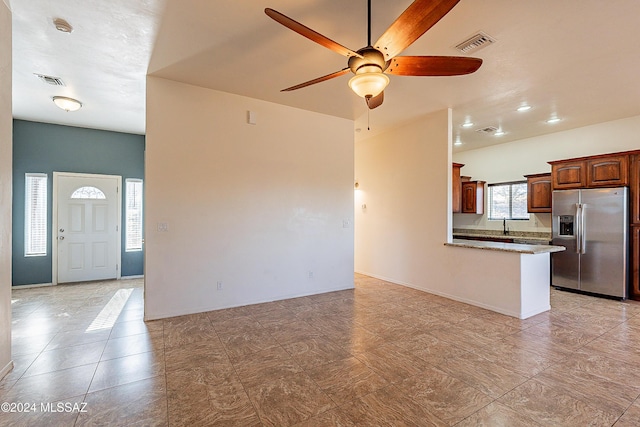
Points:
x=516, y=277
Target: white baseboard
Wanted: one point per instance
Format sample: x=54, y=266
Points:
x=139, y=276
x=6, y=369
x=37, y=285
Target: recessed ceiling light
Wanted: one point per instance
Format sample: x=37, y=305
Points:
x=67, y=104
x=62, y=25
x=467, y=125
x=524, y=108
x=499, y=133
x=553, y=120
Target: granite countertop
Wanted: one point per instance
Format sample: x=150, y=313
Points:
x=506, y=247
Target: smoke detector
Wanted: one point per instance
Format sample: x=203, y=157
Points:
x=54, y=81
x=62, y=25
x=475, y=42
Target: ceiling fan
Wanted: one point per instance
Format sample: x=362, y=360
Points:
x=371, y=63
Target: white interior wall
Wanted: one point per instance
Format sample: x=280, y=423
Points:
x=5, y=188
x=404, y=182
x=403, y=211
x=265, y=209
x=510, y=161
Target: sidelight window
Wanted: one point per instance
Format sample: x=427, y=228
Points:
x=134, y=215
x=35, y=221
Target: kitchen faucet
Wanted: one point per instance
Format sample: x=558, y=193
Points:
x=505, y=230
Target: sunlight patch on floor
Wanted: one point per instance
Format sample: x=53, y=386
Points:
x=109, y=314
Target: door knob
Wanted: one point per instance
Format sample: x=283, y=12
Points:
x=61, y=237
x=62, y=230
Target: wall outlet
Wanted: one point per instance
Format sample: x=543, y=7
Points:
x=310, y=274
x=219, y=286
x=346, y=223
x=163, y=227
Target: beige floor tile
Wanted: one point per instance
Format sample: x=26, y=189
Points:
x=289, y=400
x=430, y=349
x=515, y=359
x=140, y=403
x=52, y=386
x=203, y=353
x=30, y=345
x=286, y=333
x=553, y=407
x=486, y=376
x=347, y=379
x=444, y=396
x=631, y=418
x=389, y=407
x=135, y=327
x=188, y=333
x=77, y=337
x=134, y=344
x=392, y=363
x=496, y=414
x=265, y=366
x=243, y=343
x=314, y=352
x=333, y=418
x=64, y=358
x=128, y=369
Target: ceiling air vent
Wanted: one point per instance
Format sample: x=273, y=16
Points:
x=475, y=42
x=54, y=81
x=488, y=129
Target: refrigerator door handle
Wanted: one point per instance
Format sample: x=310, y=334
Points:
x=578, y=225
x=583, y=232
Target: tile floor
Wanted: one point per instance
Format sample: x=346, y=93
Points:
x=379, y=355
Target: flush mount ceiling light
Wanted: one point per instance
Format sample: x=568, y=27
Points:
x=467, y=125
x=553, y=120
x=62, y=25
x=67, y=104
x=499, y=132
x=524, y=108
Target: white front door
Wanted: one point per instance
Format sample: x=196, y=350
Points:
x=87, y=227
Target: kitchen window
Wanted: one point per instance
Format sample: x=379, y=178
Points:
x=508, y=201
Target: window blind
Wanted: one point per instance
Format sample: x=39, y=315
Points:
x=134, y=215
x=35, y=223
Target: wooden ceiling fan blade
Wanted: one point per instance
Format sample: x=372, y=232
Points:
x=318, y=80
x=309, y=33
x=433, y=65
x=411, y=24
x=375, y=101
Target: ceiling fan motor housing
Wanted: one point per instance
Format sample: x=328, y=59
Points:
x=372, y=61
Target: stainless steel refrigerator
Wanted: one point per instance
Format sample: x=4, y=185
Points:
x=593, y=225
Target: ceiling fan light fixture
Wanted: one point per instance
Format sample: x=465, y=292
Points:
x=368, y=84
x=67, y=104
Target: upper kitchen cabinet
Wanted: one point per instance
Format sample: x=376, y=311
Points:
x=568, y=174
x=456, y=188
x=588, y=172
x=539, y=193
x=608, y=171
x=473, y=197
x=634, y=187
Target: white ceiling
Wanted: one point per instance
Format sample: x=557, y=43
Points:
x=574, y=58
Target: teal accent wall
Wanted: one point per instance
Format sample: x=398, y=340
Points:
x=45, y=148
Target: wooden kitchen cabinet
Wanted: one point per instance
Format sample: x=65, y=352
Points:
x=539, y=193
x=588, y=172
x=473, y=197
x=634, y=281
x=608, y=171
x=634, y=188
x=568, y=174
x=456, y=188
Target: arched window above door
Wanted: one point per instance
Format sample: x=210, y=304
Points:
x=88, y=193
